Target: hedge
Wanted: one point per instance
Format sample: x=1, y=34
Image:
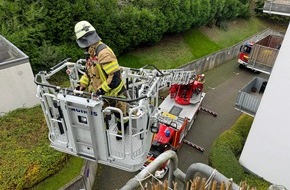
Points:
x=122, y=24
x=226, y=149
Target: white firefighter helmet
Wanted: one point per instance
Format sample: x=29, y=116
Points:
x=86, y=34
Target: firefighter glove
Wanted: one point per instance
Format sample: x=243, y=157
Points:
x=80, y=88
x=100, y=92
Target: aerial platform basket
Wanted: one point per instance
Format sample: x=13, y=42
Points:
x=80, y=125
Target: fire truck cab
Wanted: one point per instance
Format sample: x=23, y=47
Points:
x=245, y=51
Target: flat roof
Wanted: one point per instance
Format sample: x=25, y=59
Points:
x=10, y=55
x=279, y=7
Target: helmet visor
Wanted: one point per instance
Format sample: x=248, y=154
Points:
x=88, y=39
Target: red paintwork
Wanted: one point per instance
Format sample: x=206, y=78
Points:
x=177, y=141
x=161, y=137
x=173, y=142
x=244, y=54
x=244, y=57
x=197, y=86
x=183, y=93
x=173, y=90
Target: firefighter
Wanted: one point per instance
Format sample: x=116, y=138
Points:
x=102, y=71
x=200, y=78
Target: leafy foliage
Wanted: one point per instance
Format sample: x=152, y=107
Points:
x=226, y=150
x=226, y=163
x=39, y=27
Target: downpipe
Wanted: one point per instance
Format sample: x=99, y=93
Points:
x=209, y=172
x=175, y=172
x=171, y=155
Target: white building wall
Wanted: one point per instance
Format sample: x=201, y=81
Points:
x=267, y=149
x=17, y=87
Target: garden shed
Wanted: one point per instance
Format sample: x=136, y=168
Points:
x=17, y=81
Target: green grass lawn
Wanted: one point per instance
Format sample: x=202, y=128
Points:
x=171, y=51
x=69, y=172
x=237, y=31
x=176, y=50
x=25, y=155
x=199, y=43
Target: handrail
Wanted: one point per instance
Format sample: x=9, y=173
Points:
x=59, y=64
x=138, y=133
x=58, y=88
x=208, y=171
x=174, y=171
x=152, y=167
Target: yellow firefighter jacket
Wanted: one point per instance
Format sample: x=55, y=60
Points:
x=100, y=69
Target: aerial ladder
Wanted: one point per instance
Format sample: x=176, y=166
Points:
x=80, y=125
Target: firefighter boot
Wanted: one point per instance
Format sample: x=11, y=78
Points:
x=119, y=132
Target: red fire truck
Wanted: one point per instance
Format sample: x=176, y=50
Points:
x=179, y=110
x=261, y=55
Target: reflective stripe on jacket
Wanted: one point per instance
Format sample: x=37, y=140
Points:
x=101, y=75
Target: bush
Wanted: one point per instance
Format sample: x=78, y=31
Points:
x=51, y=55
x=226, y=149
x=38, y=28
x=223, y=155
x=243, y=126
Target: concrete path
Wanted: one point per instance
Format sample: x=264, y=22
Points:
x=221, y=87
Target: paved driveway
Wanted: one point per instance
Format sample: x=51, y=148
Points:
x=222, y=86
